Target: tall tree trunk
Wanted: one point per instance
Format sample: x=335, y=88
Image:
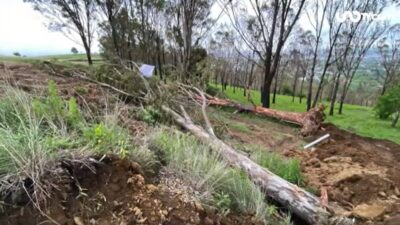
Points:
x=385, y=84
x=396, y=119
x=275, y=89
x=294, y=89
x=333, y=99
x=88, y=53
x=159, y=52
x=342, y=98
x=301, y=87
x=250, y=80
x=266, y=90
x=295, y=84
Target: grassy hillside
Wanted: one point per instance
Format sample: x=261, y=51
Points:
x=358, y=119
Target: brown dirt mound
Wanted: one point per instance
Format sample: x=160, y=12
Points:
x=115, y=192
x=360, y=173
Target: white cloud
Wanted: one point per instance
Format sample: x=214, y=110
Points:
x=23, y=30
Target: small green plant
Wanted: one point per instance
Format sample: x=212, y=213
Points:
x=103, y=138
x=272, y=210
x=54, y=102
x=149, y=114
x=57, y=111
x=223, y=202
x=81, y=90
x=73, y=116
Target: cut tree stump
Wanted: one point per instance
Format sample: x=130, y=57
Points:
x=298, y=201
x=309, y=121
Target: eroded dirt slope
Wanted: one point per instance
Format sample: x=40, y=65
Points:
x=115, y=191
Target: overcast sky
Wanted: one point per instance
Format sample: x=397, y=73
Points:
x=22, y=30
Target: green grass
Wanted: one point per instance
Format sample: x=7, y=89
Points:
x=227, y=189
x=68, y=59
x=288, y=169
x=357, y=119
x=37, y=132
x=240, y=127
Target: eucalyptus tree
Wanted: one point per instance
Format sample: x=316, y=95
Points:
x=188, y=22
x=264, y=27
x=356, y=38
x=76, y=19
x=110, y=9
x=389, y=54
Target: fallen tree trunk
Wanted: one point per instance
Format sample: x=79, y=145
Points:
x=309, y=121
x=303, y=204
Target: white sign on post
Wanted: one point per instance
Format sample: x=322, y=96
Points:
x=147, y=70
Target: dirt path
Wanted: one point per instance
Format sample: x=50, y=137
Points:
x=361, y=174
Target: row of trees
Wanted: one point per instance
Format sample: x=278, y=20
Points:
x=257, y=43
x=326, y=58
x=160, y=32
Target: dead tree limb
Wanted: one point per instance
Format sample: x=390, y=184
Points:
x=309, y=121
x=102, y=84
x=298, y=201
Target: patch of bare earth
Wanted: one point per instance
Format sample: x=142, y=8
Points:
x=360, y=173
x=115, y=191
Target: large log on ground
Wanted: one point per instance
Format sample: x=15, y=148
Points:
x=309, y=121
x=303, y=204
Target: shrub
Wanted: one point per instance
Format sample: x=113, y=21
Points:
x=389, y=104
x=149, y=114
x=287, y=90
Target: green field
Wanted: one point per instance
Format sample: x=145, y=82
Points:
x=357, y=119
x=67, y=58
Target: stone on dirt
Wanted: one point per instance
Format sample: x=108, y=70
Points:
x=370, y=212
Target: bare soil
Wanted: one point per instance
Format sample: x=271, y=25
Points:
x=360, y=174
x=115, y=191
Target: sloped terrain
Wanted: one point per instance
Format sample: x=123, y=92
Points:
x=360, y=174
